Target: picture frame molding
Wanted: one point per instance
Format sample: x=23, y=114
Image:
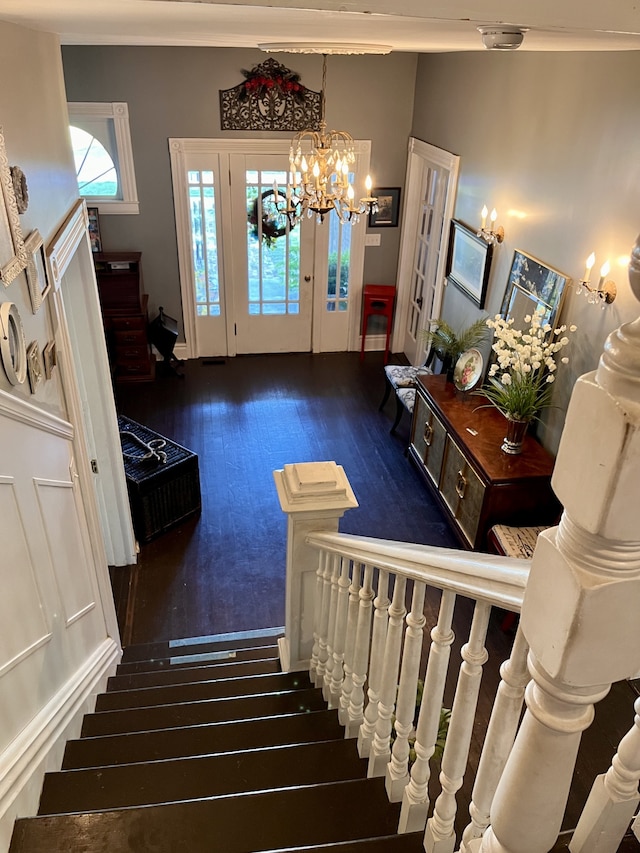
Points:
x=13, y=255
x=37, y=272
x=375, y=219
x=469, y=262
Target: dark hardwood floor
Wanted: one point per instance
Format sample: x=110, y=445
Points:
x=245, y=418
x=224, y=571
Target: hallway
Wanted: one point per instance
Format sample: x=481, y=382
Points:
x=246, y=417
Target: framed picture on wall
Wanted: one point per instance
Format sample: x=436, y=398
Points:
x=13, y=255
x=388, y=213
x=94, y=229
x=37, y=277
x=469, y=262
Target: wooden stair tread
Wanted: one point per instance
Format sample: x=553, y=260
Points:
x=166, y=649
x=410, y=842
x=317, y=814
x=208, y=711
x=202, y=739
x=185, y=674
x=200, y=658
x=102, y=788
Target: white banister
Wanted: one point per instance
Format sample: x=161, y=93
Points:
x=440, y=835
x=586, y=633
x=317, y=617
x=336, y=568
x=355, y=709
x=323, y=626
x=380, y=745
x=381, y=605
x=613, y=799
x=415, y=800
x=350, y=644
x=498, y=742
x=315, y=496
x=397, y=771
x=340, y=636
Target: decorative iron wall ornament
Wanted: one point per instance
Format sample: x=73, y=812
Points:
x=270, y=98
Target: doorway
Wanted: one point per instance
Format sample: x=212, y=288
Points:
x=250, y=282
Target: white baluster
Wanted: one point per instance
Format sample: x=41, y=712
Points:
x=440, y=835
x=415, y=799
x=613, y=799
x=324, y=620
x=317, y=617
x=380, y=745
x=354, y=710
x=378, y=641
x=352, y=622
x=397, y=771
x=498, y=742
x=336, y=563
x=345, y=634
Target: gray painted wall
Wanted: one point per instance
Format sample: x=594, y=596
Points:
x=551, y=141
x=173, y=92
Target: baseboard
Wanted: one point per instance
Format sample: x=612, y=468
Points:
x=180, y=351
x=40, y=746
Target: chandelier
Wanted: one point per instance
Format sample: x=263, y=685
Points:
x=320, y=164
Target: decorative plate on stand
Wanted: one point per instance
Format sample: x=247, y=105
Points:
x=468, y=370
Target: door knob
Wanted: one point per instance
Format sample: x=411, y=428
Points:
x=307, y=278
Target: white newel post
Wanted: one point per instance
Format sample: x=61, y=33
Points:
x=580, y=613
x=315, y=496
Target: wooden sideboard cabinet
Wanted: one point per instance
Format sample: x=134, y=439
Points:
x=124, y=314
x=455, y=442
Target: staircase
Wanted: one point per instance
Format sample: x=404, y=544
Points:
x=210, y=747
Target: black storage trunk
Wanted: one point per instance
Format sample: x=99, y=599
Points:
x=160, y=494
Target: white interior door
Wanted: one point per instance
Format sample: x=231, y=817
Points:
x=431, y=182
x=242, y=293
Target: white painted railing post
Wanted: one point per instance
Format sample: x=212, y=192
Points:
x=378, y=640
x=355, y=705
x=380, y=751
x=350, y=642
x=415, y=798
x=315, y=496
x=613, y=799
x=579, y=612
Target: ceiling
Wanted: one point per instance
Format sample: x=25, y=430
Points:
x=413, y=25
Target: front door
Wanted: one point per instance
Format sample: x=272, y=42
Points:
x=250, y=282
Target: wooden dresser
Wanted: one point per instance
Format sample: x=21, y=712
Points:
x=124, y=313
x=455, y=442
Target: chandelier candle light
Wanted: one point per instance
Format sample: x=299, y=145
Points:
x=606, y=290
x=493, y=234
x=320, y=162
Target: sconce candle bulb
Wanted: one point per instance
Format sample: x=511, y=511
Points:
x=605, y=292
x=492, y=234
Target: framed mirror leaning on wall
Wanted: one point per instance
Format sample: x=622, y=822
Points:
x=533, y=284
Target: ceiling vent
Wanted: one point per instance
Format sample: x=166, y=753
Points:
x=501, y=38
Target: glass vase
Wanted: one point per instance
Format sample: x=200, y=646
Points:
x=514, y=439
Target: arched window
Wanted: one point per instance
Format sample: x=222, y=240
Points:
x=95, y=169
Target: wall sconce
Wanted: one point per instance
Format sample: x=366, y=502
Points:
x=492, y=234
x=605, y=291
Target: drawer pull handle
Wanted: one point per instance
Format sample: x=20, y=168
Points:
x=428, y=434
x=461, y=485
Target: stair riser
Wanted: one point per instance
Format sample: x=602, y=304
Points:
x=202, y=740
x=157, y=651
x=185, y=675
x=196, y=713
x=188, y=779
x=201, y=691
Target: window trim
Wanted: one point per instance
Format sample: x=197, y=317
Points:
x=118, y=112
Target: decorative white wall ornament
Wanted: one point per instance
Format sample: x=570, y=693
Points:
x=20, y=188
x=13, y=347
x=13, y=255
x=37, y=276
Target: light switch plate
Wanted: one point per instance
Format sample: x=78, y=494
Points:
x=372, y=239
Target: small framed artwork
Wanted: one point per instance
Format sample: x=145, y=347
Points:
x=13, y=255
x=388, y=213
x=49, y=358
x=37, y=276
x=94, y=229
x=469, y=262
x=35, y=370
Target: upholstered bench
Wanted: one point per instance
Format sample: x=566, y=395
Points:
x=401, y=379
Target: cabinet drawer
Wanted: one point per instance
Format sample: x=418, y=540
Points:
x=132, y=321
x=462, y=490
x=132, y=353
x=131, y=337
x=429, y=438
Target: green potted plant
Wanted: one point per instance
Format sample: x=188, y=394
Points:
x=450, y=344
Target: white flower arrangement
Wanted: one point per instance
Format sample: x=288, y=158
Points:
x=521, y=379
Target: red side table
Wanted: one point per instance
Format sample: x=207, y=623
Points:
x=378, y=299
